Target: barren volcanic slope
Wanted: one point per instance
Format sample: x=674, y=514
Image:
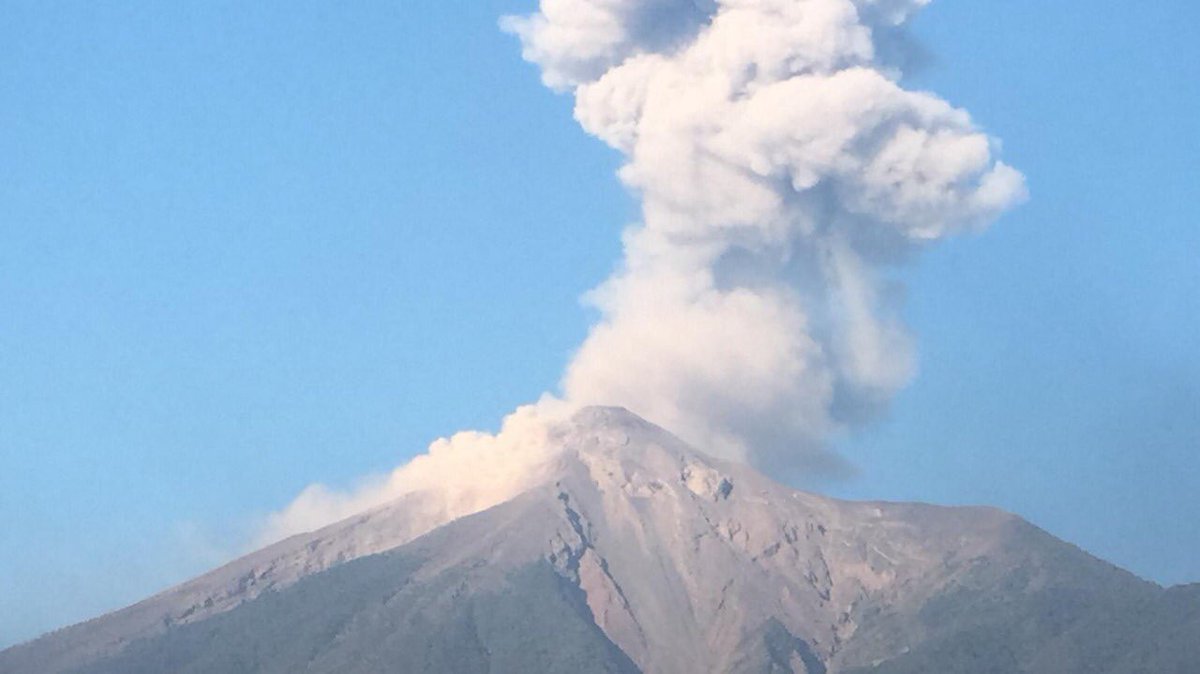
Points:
x=637, y=553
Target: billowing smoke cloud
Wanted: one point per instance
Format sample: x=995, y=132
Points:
x=783, y=171
x=785, y=174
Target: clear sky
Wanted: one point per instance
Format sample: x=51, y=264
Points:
x=243, y=249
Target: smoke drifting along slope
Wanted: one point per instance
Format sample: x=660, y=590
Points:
x=457, y=476
x=783, y=172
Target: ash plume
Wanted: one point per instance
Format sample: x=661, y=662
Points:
x=785, y=176
x=783, y=172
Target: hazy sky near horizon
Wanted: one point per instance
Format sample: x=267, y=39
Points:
x=244, y=249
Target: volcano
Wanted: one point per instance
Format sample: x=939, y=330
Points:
x=637, y=553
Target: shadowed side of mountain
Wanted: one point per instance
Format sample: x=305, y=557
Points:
x=470, y=597
x=273, y=567
x=1057, y=611
x=1050, y=632
x=359, y=618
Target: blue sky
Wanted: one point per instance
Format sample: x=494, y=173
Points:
x=246, y=249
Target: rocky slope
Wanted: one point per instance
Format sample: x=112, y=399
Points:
x=637, y=553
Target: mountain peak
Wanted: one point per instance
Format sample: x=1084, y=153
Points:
x=611, y=428
x=606, y=416
x=623, y=450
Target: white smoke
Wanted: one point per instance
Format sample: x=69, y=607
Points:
x=457, y=476
x=785, y=174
